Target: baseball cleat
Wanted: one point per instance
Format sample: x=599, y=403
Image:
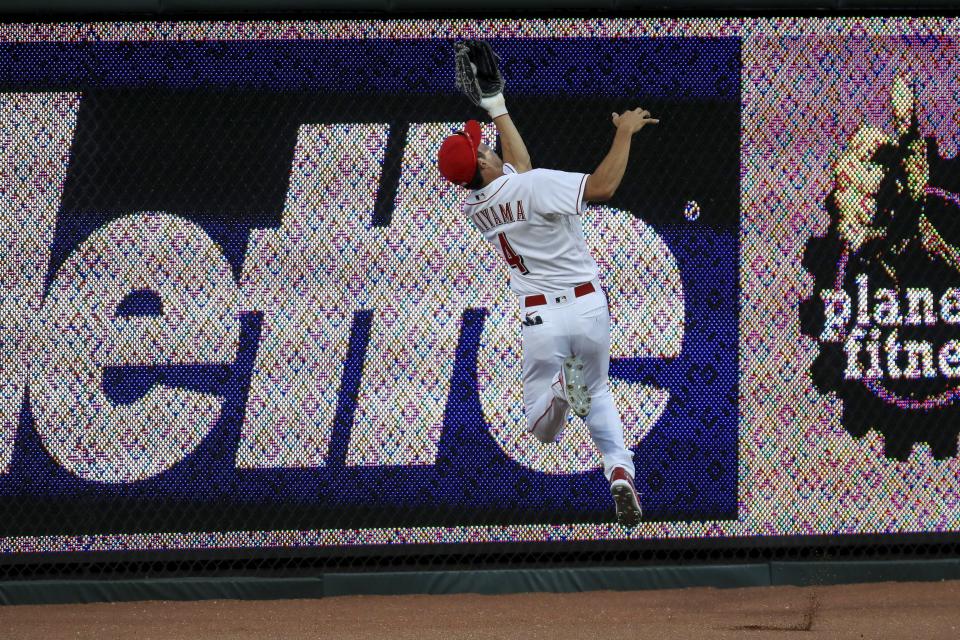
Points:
x=573, y=385
x=625, y=497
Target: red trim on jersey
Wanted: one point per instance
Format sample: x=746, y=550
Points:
x=580, y=191
x=491, y=195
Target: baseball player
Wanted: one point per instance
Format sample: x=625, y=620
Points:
x=531, y=217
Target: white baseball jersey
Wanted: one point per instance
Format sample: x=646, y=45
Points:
x=532, y=219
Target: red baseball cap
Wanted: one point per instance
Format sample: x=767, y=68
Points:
x=457, y=159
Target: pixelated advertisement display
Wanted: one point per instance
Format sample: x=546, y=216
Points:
x=240, y=308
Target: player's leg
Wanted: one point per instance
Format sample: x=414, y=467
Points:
x=592, y=344
x=544, y=348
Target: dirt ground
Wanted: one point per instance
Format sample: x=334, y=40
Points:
x=885, y=610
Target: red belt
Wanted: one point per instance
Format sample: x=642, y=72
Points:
x=578, y=291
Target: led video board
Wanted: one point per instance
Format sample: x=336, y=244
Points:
x=241, y=308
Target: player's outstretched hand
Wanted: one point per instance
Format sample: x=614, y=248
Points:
x=857, y=176
x=633, y=120
x=477, y=69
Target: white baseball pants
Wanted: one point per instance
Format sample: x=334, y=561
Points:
x=570, y=326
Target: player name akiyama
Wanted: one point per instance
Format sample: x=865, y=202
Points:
x=499, y=214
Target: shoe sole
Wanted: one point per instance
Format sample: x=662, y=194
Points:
x=628, y=507
x=576, y=390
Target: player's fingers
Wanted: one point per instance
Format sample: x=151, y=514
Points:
x=901, y=95
x=652, y=121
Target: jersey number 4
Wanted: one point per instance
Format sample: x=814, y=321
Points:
x=513, y=259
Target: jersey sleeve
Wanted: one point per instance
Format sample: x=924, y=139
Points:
x=557, y=191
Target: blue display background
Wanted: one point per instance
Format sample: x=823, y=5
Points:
x=675, y=68
x=687, y=466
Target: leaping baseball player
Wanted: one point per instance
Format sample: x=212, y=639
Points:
x=532, y=219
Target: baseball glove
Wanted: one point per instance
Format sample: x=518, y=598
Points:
x=478, y=71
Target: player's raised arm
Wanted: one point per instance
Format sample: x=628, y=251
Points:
x=478, y=77
x=511, y=144
x=603, y=182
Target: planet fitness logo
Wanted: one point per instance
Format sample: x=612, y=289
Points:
x=886, y=308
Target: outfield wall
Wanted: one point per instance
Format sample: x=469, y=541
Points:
x=241, y=310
